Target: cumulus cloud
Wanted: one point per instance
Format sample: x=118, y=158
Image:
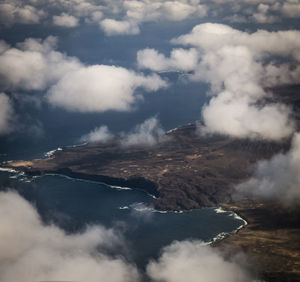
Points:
x=137, y=12
x=148, y=133
x=114, y=27
x=101, y=88
x=211, y=36
x=262, y=15
x=34, y=64
x=180, y=59
x=65, y=20
x=12, y=12
x=278, y=178
x=31, y=251
x=6, y=114
x=234, y=64
x=235, y=110
x=99, y=134
x=194, y=262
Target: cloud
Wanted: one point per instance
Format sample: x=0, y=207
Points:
x=234, y=64
x=6, y=114
x=34, y=65
x=262, y=14
x=278, y=178
x=180, y=59
x=65, y=20
x=212, y=37
x=31, y=251
x=238, y=66
x=289, y=9
x=114, y=27
x=236, y=110
x=149, y=133
x=177, y=10
x=12, y=12
x=100, y=88
x=99, y=134
x=125, y=17
x=194, y=262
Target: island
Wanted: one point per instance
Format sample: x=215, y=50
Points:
x=189, y=171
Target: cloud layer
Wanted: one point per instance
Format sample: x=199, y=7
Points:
x=126, y=16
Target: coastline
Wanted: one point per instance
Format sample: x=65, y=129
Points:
x=187, y=173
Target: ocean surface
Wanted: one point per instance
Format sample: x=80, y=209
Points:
x=75, y=204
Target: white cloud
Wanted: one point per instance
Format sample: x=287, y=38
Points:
x=179, y=10
x=114, y=27
x=12, y=12
x=65, y=20
x=212, y=37
x=156, y=10
x=194, y=262
x=34, y=65
x=101, y=88
x=99, y=134
x=262, y=15
x=137, y=12
x=235, y=77
x=232, y=62
x=180, y=59
x=278, y=178
x=148, y=133
x=125, y=16
x=239, y=117
x=290, y=10
x=6, y=114
x=31, y=251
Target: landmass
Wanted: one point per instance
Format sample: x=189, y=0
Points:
x=189, y=171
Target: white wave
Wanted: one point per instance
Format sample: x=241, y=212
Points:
x=8, y=169
x=219, y=237
x=52, y=152
x=77, y=145
x=236, y=216
x=220, y=210
x=124, y=208
x=142, y=207
x=117, y=187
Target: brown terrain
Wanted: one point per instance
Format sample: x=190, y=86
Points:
x=187, y=172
